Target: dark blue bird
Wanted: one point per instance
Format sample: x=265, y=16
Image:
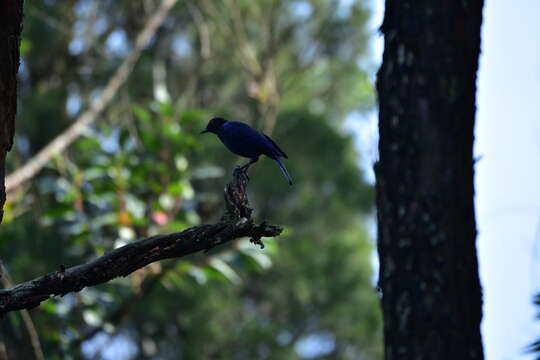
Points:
x=245, y=141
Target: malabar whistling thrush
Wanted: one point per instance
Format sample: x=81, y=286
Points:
x=245, y=141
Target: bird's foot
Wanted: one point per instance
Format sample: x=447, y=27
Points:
x=242, y=170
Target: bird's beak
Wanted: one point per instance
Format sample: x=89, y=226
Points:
x=204, y=131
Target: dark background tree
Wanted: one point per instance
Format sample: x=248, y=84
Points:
x=10, y=37
x=431, y=295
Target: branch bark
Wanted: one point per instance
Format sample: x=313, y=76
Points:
x=235, y=223
x=66, y=138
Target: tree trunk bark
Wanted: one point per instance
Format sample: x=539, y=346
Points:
x=431, y=294
x=10, y=37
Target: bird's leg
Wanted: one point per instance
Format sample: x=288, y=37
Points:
x=244, y=168
x=251, y=161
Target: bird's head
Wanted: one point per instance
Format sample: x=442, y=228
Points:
x=214, y=125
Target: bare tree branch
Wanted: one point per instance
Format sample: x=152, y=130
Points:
x=3, y=351
x=202, y=29
x=235, y=223
x=27, y=319
x=62, y=141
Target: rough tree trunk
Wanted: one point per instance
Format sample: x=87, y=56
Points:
x=10, y=33
x=431, y=295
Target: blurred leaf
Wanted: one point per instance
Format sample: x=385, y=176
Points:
x=142, y=114
x=223, y=268
x=25, y=46
x=261, y=260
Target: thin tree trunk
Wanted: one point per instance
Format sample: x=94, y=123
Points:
x=431, y=295
x=10, y=36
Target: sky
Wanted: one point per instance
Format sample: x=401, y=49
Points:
x=507, y=173
x=508, y=176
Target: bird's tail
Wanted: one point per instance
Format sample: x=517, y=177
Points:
x=284, y=171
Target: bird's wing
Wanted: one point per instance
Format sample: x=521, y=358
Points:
x=244, y=133
x=241, y=133
x=278, y=149
x=245, y=141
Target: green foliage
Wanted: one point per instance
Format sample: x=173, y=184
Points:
x=142, y=169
